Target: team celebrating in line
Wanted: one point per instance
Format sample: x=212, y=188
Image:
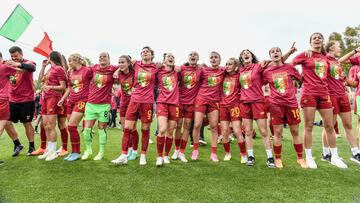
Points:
x=230, y=98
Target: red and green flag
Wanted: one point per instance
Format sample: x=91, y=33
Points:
x=20, y=28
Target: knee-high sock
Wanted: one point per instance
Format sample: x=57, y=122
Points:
x=242, y=147
x=64, y=138
x=145, y=140
x=169, y=141
x=226, y=147
x=75, y=139
x=43, y=137
x=125, y=141
x=177, y=143
x=88, y=138
x=102, y=140
x=160, y=142
x=183, y=145
x=277, y=151
x=135, y=140
x=336, y=128
x=130, y=142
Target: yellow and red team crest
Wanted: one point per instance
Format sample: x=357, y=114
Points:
x=189, y=79
x=144, y=78
x=245, y=79
x=100, y=80
x=228, y=86
x=320, y=68
x=281, y=82
x=169, y=82
x=77, y=84
x=213, y=80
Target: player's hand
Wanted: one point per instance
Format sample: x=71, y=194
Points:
x=45, y=63
x=159, y=64
x=308, y=53
x=12, y=63
x=60, y=103
x=46, y=88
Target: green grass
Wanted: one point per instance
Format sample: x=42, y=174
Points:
x=27, y=179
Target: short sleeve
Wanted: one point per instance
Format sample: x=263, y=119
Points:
x=299, y=59
x=355, y=60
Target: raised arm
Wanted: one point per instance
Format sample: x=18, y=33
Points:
x=346, y=57
x=292, y=50
x=42, y=70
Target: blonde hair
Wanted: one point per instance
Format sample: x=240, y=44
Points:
x=236, y=61
x=78, y=58
x=329, y=45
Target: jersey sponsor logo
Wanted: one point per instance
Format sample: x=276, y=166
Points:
x=213, y=80
x=335, y=71
x=281, y=82
x=169, y=82
x=320, y=68
x=76, y=83
x=144, y=78
x=245, y=79
x=189, y=80
x=100, y=80
x=228, y=86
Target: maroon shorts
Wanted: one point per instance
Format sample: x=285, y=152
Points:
x=5, y=109
x=122, y=111
x=284, y=114
x=142, y=111
x=255, y=110
x=50, y=107
x=231, y=113
x=170, y=111
x=76, y=107
x=206, y=106
x=187, y=111
x=267, y=104
x=341, y=104
x=320, y=102
x=64, y=109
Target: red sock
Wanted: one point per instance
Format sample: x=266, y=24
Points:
x=242, y=148
x=135, y=140
x=160, y=142
x=169, y=141
x=177, y=144
x=125, y=141
x=74, y=138
x=271, y=126
x=226, y=147
x=213, y=150
x=64, y=138
x=130, y=142
x=299, y=150
x=336, y=127
x=196, y=146
x=144, y=140
x=43, y=138
x=277, y=151
x=183, y=146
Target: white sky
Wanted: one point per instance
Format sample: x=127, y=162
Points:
x=180, y=26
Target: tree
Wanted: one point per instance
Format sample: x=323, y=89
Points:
x=37, y=85
x=349, y=41
x=88, y=61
